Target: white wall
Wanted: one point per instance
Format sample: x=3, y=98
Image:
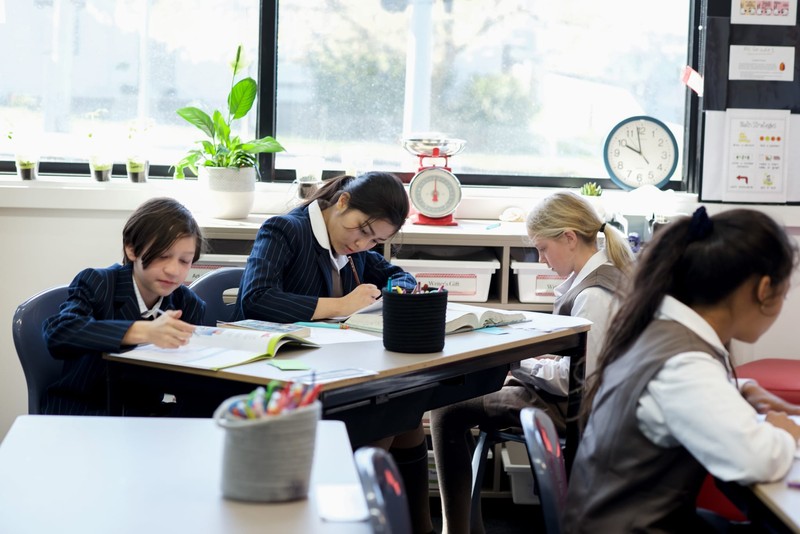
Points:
x=49, y=231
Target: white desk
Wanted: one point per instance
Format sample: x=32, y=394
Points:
x=405, y=386
x=781, y=500
x=62, y=474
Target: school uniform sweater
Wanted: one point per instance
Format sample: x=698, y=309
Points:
x=100, y=308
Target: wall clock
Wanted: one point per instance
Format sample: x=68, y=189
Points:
x=639, y=151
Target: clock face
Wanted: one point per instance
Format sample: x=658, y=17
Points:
x=640, y=151
x=435, y=192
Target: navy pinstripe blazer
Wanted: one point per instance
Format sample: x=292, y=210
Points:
x=288, y=271
x=100, y=308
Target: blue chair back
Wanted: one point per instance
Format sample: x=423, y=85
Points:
x=547, y=461
x=40, y=368
x=211, y=286
x=384, y=491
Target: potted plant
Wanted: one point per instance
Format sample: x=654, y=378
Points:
x=26, y=160
x=100, y=159
x=136, y=163
x=225, y=163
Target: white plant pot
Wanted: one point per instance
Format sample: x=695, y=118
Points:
x=229, y=191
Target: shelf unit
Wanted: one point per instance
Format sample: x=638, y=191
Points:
x=236, y=238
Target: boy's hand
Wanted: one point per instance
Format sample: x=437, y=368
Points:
x=166, y=332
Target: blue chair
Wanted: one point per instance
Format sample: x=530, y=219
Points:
x=384, y=491
x=40, y=368
x=547, y=461
x=211, y=286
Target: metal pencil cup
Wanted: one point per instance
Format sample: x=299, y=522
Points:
x=414, y=322
x=268, y=459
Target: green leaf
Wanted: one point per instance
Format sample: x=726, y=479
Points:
x=265, y=144
x=241, y=98
x=199, y=118
x=223, y=130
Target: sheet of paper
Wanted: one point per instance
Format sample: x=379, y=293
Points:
x=773, y=13
x=331, y=376
x=756, y=153
x=289, y=365
x=341, y=502
x=762, y=63
x=375, y=306
x=330, y=336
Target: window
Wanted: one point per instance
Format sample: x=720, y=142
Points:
x=106, y=76
x=532, y=86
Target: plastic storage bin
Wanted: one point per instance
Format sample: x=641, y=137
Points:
x=518, y=467
x=465, y=281
x=535, y=281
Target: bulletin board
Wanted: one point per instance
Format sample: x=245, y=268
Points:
x=751, y=101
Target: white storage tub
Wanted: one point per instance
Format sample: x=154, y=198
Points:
x=518, y=467
x=465, y=281
x=535, y=281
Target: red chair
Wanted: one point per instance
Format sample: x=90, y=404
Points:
x=776, y=375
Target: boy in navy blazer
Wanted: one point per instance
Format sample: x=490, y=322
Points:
x=144, y=300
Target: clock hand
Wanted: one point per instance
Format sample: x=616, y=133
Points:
x=638, y=152
x=638, y=141
x=632, y=149
x=435, y=190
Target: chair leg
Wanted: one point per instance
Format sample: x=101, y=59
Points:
x=479, y=459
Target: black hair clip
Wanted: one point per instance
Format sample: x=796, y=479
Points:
x=700, y=226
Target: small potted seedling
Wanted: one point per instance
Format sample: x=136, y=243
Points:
x=100, y=162
x=136, y=164
x=592, y=193
x=27, y=166
x=26, y=161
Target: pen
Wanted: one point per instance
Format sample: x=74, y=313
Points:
x=491, y=226
x=355, y=273
x=793, y=484
x=313, y=324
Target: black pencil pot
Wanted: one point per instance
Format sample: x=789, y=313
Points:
x=414, y=322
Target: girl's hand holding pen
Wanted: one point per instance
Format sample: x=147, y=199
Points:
x=361, y=297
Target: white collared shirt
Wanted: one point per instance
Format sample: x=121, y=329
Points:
x=593, y=303
x=321, y=234
x=693, y=401
x=143, y=309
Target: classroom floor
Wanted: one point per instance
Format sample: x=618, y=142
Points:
x=500, y=516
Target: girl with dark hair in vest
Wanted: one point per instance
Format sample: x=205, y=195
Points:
x=664, y=406
x=564, y=228
x=316, y=262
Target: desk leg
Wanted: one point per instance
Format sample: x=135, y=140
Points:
x=577, y=370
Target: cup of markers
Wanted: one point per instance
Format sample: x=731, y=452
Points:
x=269, y=442
x=413, y=320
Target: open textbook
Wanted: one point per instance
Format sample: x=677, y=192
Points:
x=460, y=317
x=217, y=348
x=267, y=326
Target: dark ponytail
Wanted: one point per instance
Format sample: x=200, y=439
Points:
x=699, y=261
x=379, y=195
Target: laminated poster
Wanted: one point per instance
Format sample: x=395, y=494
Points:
x=755, y=155
x=766, y=12
x=763, y=63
